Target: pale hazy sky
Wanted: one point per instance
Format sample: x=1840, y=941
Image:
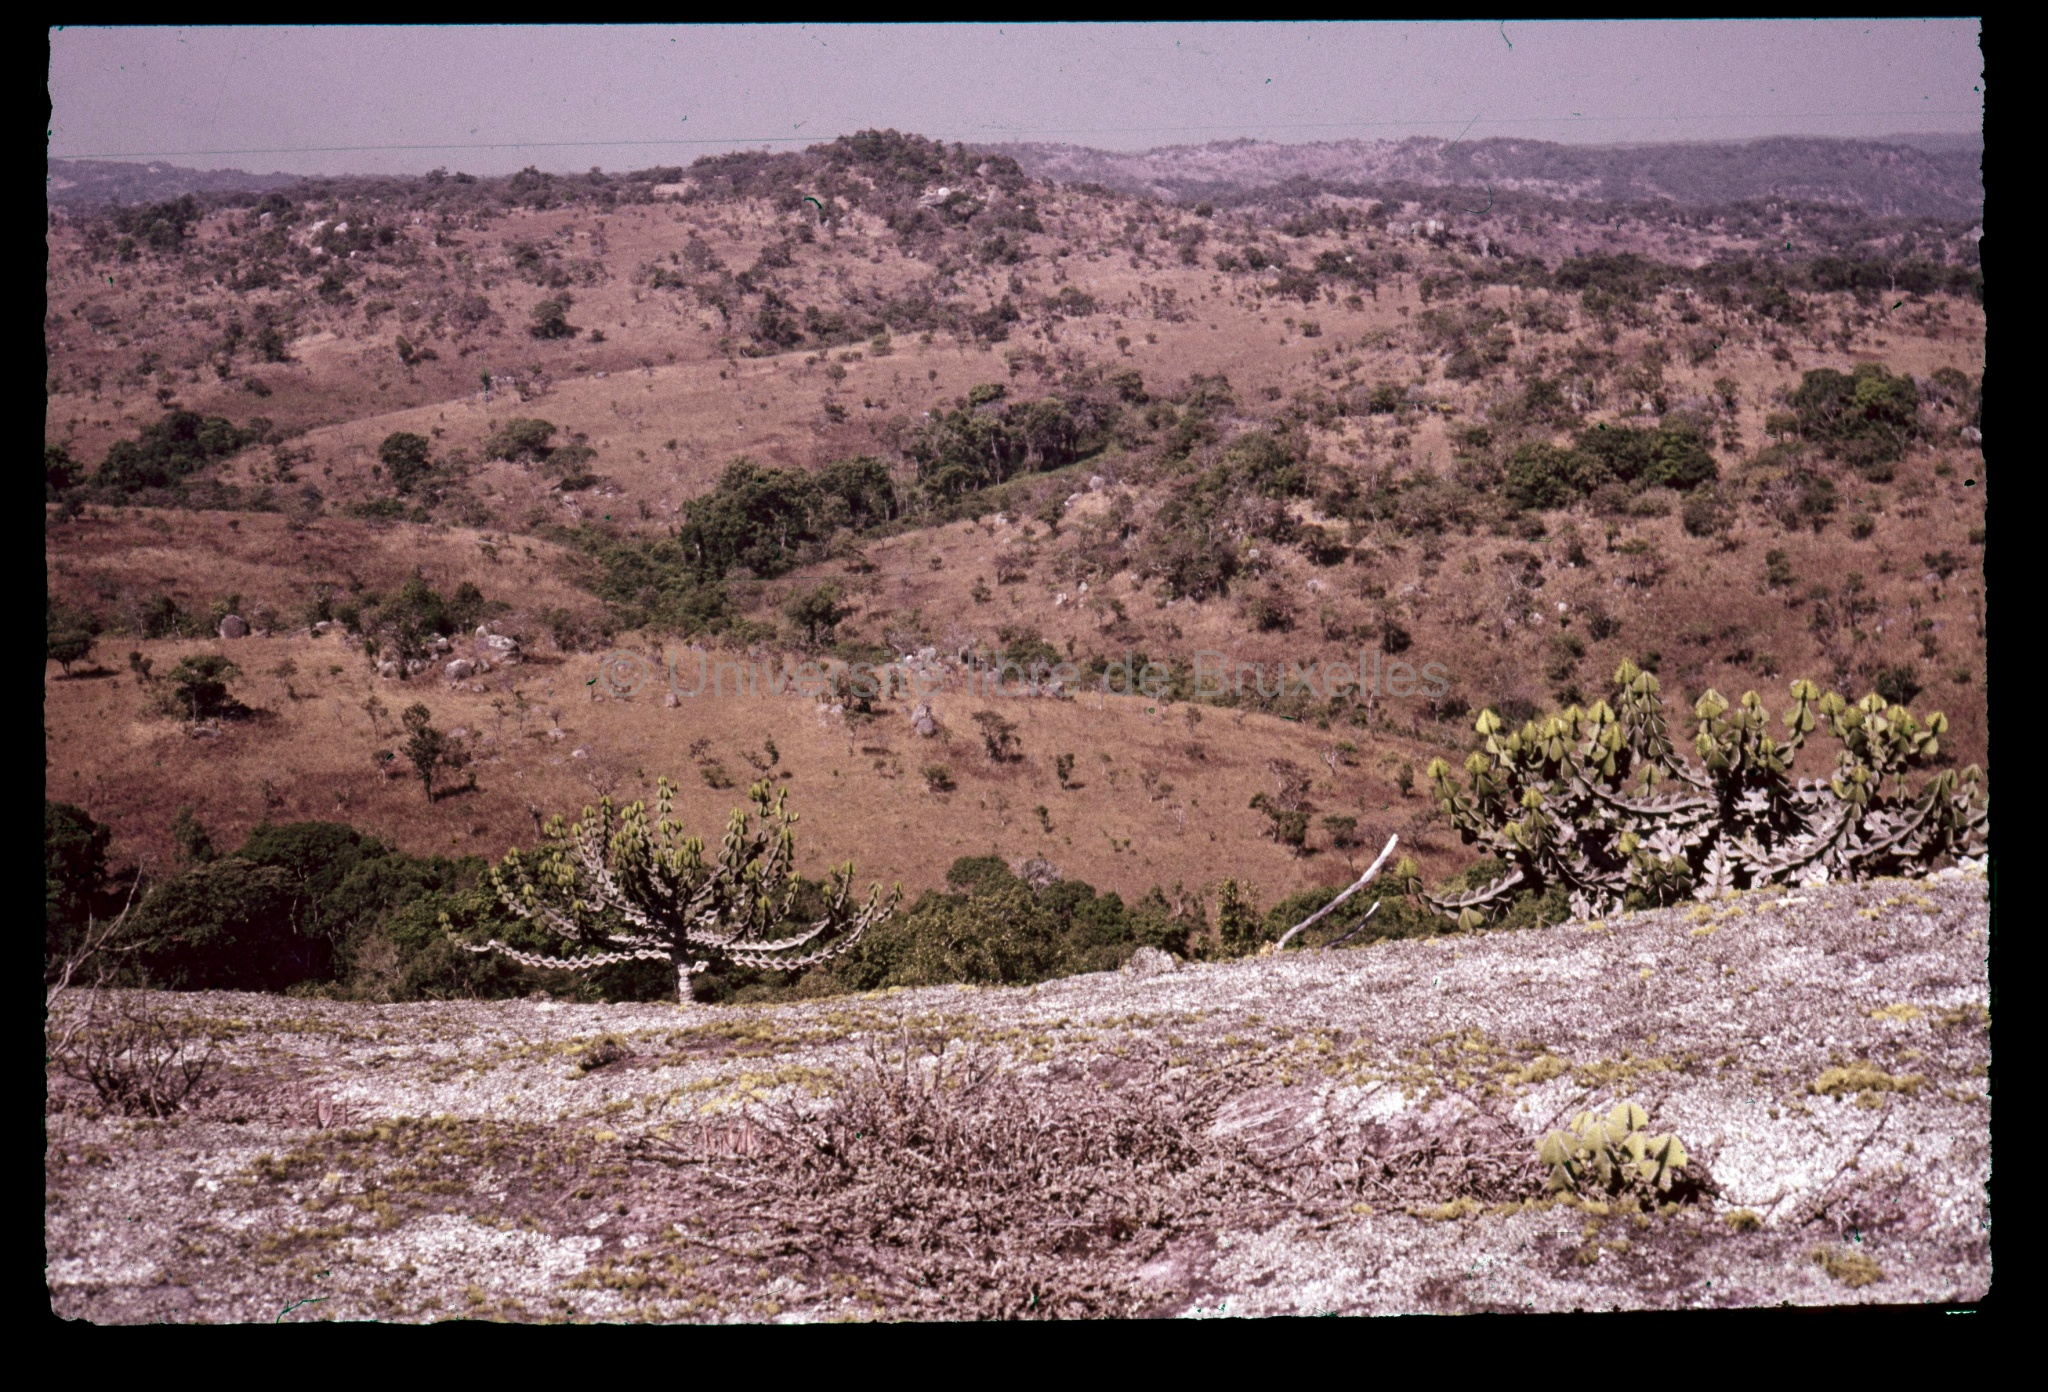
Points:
x=493, y=99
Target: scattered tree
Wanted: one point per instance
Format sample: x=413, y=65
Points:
x=998, y=736
x=426, y=748
x=816, y=610
x=551, y=319
x=405, y=458
x=199, y=686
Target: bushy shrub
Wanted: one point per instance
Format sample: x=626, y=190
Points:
x=406, y=459
x=1866, y=415
x=228, y=925
x=994, y=928
x=138, y=1060
x=1541, y=475
x=521, y=438
x=171, y=450
x=74, y=876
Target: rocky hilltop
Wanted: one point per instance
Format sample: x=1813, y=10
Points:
x=1348, y=1132
x=1893, y=178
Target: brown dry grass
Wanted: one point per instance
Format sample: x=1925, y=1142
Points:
x=1151, y=813
x=667, y=379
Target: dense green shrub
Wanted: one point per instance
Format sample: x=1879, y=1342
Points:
x=988, y=440
x=521, y=438
x=173, y=449
x=1674, y=456
x=1542, y=475
x=994, y=928
x=764, y=519
x=406, y=459
x=405, y=624
x=74, y=876
x=68, y=634
x=228, y=925
x=197, y=688
x=1867, y=416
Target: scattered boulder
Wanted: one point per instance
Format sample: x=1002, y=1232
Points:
x=388, y=670
x=440, y=644
x=671, y=701
x=1150, y=961
x=922, y=720
x=1096, y=483
x=460, y=669
x=415, y=667
x=233, y=626
x=1038, y=872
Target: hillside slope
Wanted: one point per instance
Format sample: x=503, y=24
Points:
x=1886, y=177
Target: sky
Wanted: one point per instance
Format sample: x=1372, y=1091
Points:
x=493, y=99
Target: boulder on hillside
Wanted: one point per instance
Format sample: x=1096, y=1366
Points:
x=1150, y=961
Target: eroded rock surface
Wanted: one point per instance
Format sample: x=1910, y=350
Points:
x=1349, y=1132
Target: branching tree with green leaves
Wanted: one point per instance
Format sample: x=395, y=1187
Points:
x=816, y=610
x=427, y=749
x=406, y=458
x=1601, y=802
x=199, y=686
x=68, y=636
x=619, y=887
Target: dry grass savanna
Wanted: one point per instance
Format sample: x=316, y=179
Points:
x=370, y=502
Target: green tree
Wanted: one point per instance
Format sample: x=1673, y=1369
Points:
x=60, y=471
x=998, y=734
x=551, y=319
x=74, y=873
x=1541, y=475
x=199, y=685
x=227, y=925
x=425, y=747
x=1867, y=415
x=406, y=459
x=816, y=610
x=521, y=438
x=192, y=837
x=1238, y=923
x=67, y=636
x=179, y=444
